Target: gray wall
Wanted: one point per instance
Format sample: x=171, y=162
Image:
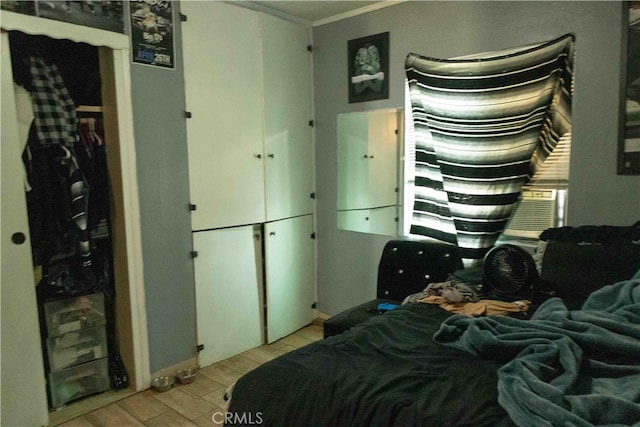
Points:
x=348, y=261
x=163, y=179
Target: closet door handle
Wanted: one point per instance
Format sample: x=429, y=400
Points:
x=258, y=156
x=271, y=155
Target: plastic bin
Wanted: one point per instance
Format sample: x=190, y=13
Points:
x=77, y=347
x=73, y=314
x=79, y=381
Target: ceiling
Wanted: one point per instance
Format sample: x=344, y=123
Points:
x=318, y=12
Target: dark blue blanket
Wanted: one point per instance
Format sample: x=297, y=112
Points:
x=563, y=367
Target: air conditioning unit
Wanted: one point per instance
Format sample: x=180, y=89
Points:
x=537, y=210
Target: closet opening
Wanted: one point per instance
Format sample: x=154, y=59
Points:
x=78, y=215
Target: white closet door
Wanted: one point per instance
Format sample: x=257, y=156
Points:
x=228, y=276
x=290, y=275
x=223, y=89
x=24, y=398
x=289, y=174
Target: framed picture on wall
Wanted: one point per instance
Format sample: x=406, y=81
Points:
x=25, y=7
x=629, y=140
x=106, y=15
x=369, y=68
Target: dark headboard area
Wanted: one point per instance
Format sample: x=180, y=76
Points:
x=408, y=266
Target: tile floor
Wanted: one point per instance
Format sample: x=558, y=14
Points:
x=192, y=404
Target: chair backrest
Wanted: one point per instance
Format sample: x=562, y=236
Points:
x=408, y=266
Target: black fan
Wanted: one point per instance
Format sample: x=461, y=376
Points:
x=509, y=269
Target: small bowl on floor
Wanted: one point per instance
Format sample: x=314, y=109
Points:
x=186, y=376
x=162, y=384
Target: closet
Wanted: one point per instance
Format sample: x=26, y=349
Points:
x=249, y=129
x=24, y=399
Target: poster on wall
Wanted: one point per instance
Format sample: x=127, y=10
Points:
x=106, y=15
x=629, y=143
x=25, y=7
x=152, y=41
x=369, y=68
x=103, y=14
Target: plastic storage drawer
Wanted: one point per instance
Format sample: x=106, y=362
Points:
x=79, y=381
x=73, y=314
x=77, y=347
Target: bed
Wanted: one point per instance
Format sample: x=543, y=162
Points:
x=573, y=359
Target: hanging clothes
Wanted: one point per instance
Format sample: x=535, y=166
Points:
x=58, y=199
x=90, y=148
x=54, y=110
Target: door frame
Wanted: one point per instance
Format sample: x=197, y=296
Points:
x=131, y=316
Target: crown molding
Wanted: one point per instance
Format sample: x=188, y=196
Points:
x=306, y=22
x=356, y=12
x=258, y=7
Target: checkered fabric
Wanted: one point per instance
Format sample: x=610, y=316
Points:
x=53, y=108
x=56, y=126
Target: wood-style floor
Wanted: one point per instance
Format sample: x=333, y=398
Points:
x=192, y=404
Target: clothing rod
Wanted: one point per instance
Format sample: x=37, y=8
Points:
x=89, y=109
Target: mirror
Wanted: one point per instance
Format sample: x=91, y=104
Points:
x=368, y=170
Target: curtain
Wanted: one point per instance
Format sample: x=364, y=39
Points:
x=483, y=126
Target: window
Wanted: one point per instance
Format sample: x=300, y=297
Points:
x=487, y=144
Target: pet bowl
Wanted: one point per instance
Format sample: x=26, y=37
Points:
x=186, y=376
x=162, y=383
